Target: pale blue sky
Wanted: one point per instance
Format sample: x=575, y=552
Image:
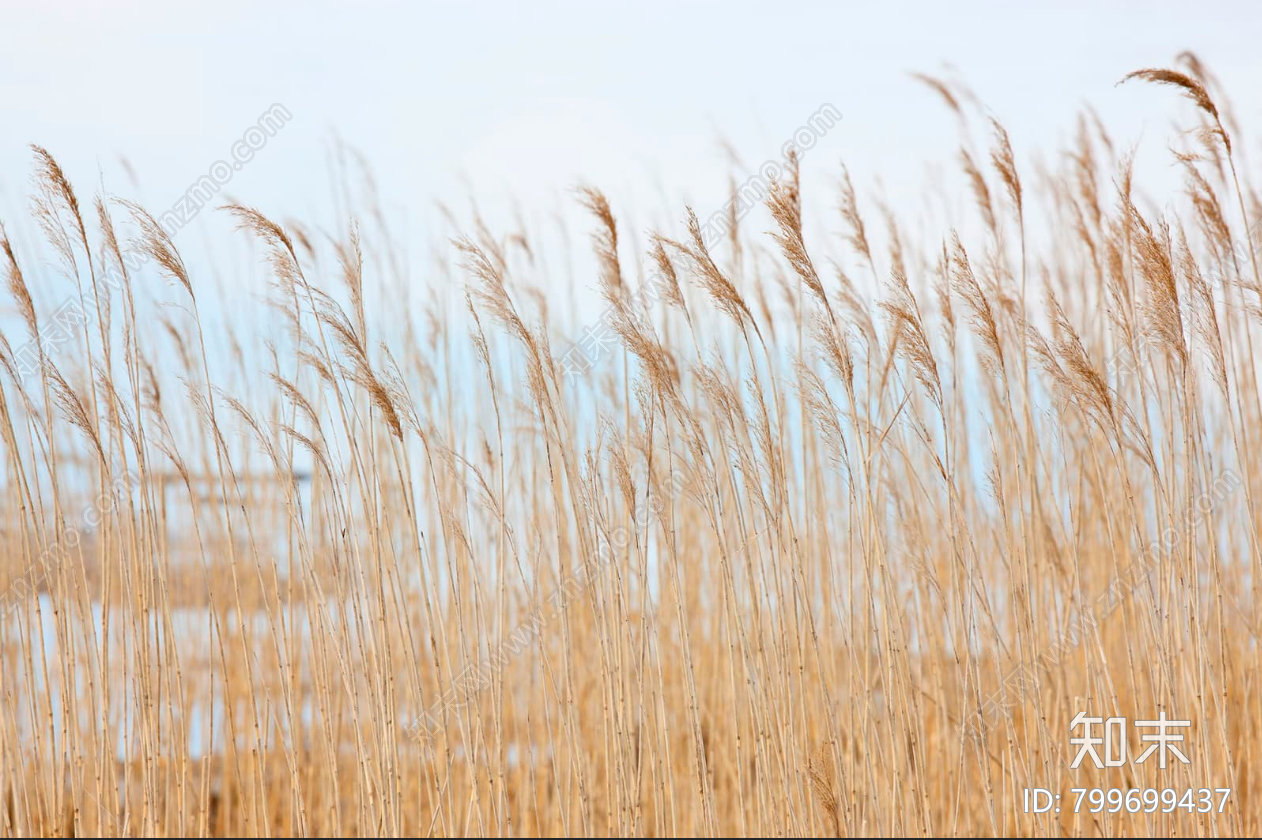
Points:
x=519, y=102
x=523, y=100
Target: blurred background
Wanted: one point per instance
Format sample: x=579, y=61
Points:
x=516, y=105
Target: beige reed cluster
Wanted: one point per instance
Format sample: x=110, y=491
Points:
x=838, y=541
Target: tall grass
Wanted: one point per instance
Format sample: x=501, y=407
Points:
x=836, y=539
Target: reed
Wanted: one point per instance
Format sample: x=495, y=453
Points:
x=835, y=538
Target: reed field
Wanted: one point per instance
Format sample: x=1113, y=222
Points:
x=822, y=534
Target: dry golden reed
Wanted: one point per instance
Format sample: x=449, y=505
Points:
x=842, y=520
